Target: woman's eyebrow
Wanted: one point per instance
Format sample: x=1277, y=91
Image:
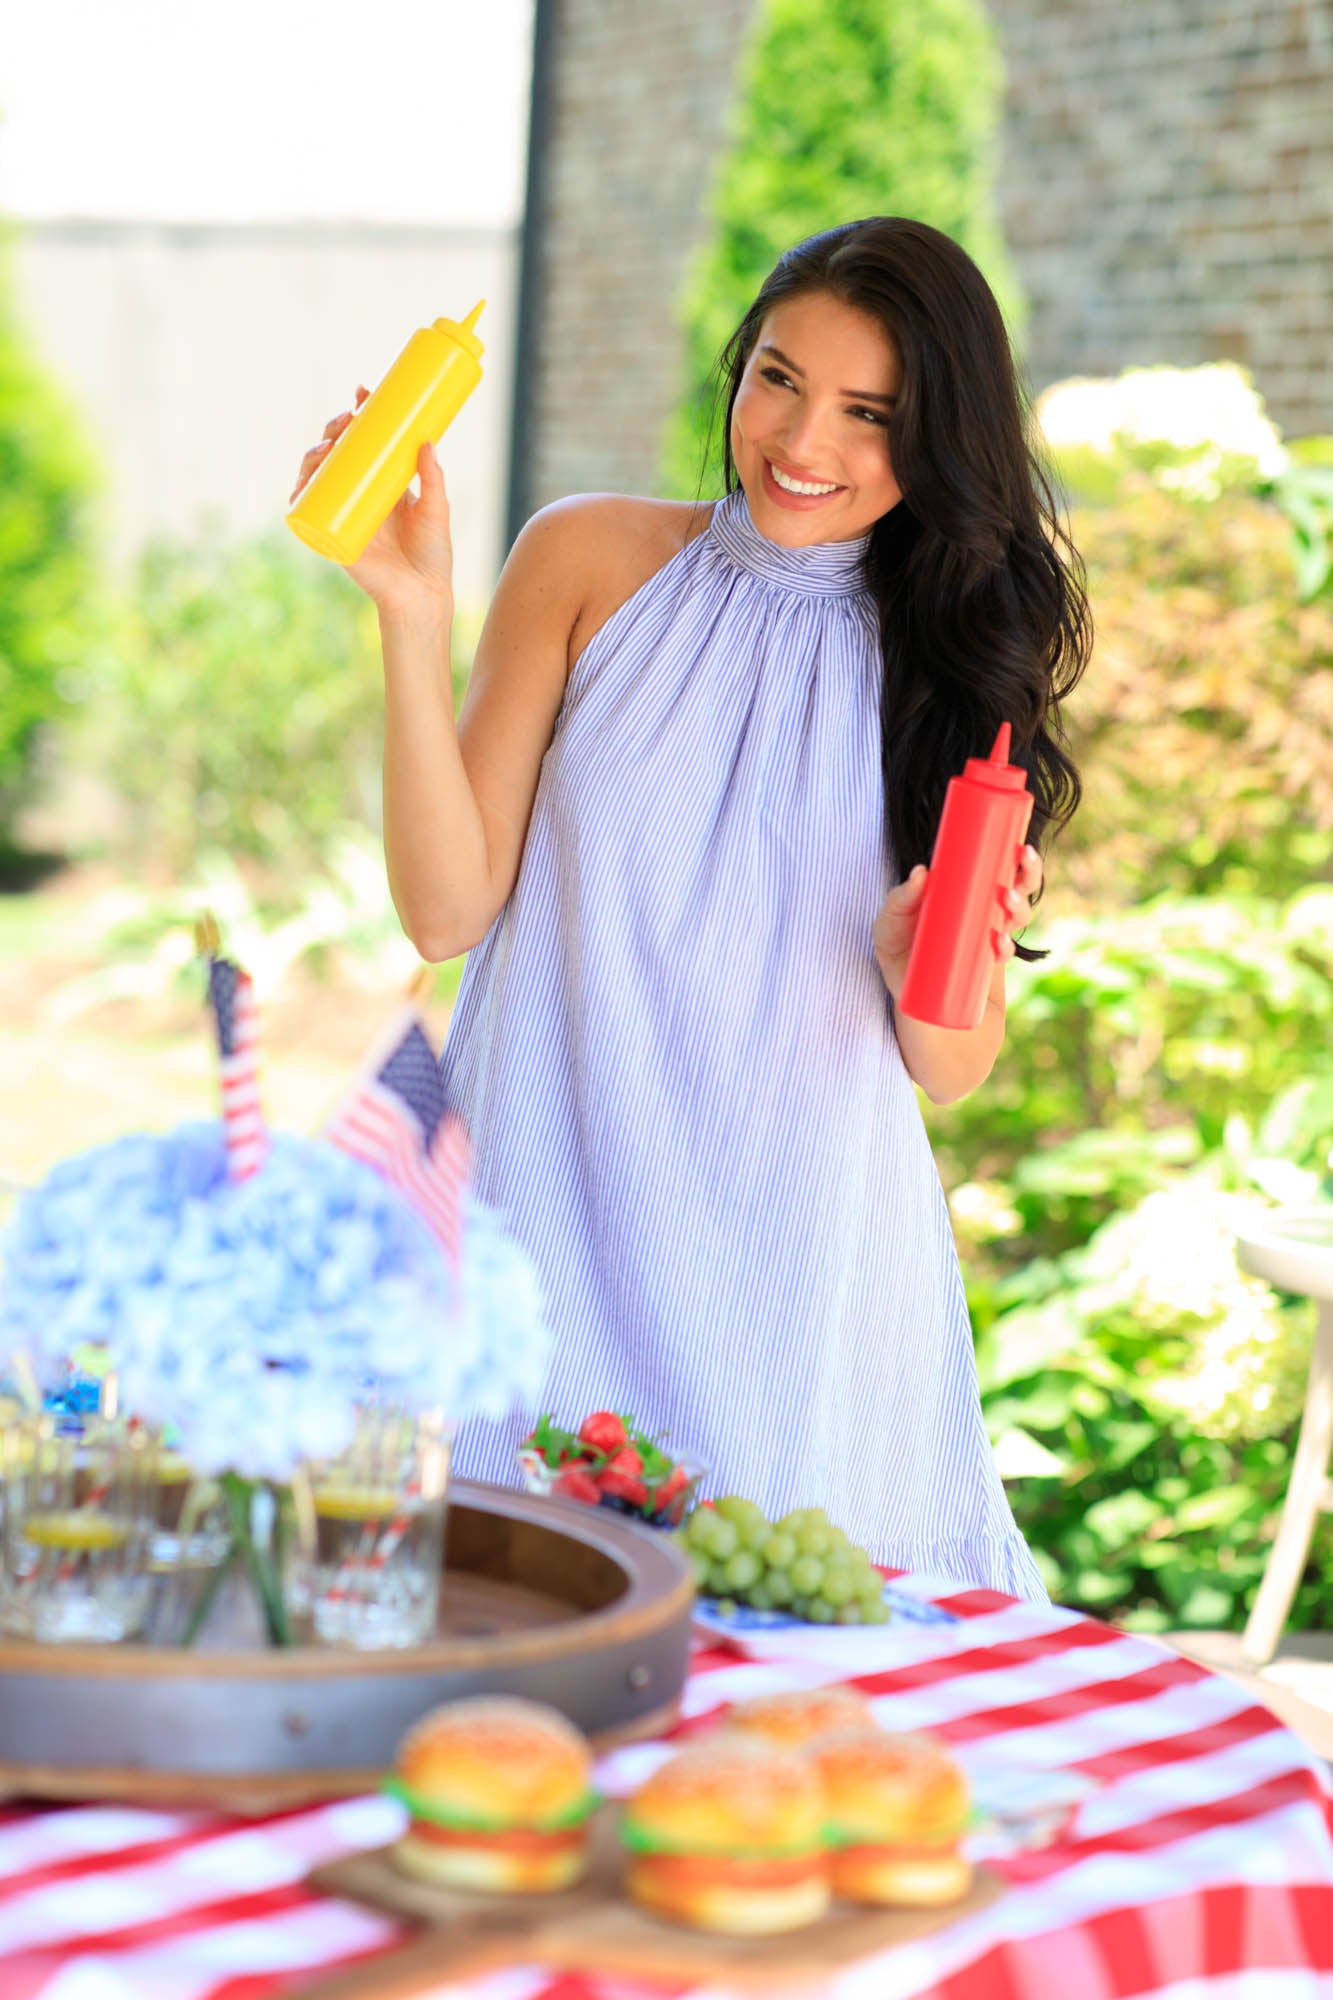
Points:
x=857, y=395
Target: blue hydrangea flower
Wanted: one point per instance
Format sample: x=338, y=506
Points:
x=254, y=1316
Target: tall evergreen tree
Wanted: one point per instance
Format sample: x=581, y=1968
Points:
x=846, y=108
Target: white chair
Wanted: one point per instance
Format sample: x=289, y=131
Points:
x=1293, y=1249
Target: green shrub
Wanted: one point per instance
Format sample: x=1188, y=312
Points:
x=238, y=706
x=47, y=572
x=1167, y=1068
x=1204, y=726
x=847, y=108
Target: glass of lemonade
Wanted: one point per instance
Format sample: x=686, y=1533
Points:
x=369, y=1546
x=78, y=1520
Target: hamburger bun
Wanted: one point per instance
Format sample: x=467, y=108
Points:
x=802, y=1716
x=898, y=1807
x=728, y=1836
x=498, y=1789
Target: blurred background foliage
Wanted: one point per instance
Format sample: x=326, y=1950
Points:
x=48, y=478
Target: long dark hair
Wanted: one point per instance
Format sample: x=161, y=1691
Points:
x=983, y=615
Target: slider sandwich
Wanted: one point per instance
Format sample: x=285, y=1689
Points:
x=728, y=1836
x=898, y=1807
x=499, y=1793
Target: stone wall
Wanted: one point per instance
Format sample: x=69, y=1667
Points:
x=1167, y=188
x=1166, y=185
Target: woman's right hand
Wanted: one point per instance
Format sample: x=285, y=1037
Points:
x=407, y=566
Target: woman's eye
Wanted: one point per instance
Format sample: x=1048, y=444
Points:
x=776, y=375
x=871, y=416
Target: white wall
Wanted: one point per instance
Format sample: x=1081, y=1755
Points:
x=206, y=357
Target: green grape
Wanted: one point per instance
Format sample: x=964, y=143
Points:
x=779, y=1587
x=850, y=1614
x=876, y=1613
x=839, y=1585
x=756, y=1535
x=743, y=1570
x=702, y=1568
x=801, y=1606
x=718, y=1585
x=791, y=1524
x=720, y=1538
x=727, y=1606
x=699, y=1527
x=780, y=1550
x=759, y=1597
x=821, y=1612
x=814, y=1540
x=806, y=1573
x=816, y=1517
x=840, y=1539
x=744, y=1513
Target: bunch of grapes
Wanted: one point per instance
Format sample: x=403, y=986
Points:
x=801, y=1564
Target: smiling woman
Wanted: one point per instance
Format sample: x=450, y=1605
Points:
x=701, y=750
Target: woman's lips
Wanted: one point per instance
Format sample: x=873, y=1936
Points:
x=802, y=502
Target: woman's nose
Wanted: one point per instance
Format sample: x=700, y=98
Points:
x=804, y=434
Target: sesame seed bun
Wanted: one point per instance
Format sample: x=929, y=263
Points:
x=492, y=1785
x=802, y=1716
x=900, y=1806
x=728, y=1836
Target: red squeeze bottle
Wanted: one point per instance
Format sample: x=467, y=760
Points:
x=977, y=852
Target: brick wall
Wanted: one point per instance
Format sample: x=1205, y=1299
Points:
x=1166, y=185
x=640, y=92
x=1167, y=188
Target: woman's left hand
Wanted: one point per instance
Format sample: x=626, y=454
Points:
x=1018, y=902
x=900, y=913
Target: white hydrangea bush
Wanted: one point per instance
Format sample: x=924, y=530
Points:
x=1195, y=430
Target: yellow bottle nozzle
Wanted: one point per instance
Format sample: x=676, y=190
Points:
x=470, y=322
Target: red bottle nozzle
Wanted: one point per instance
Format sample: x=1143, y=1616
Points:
x=1000, y=753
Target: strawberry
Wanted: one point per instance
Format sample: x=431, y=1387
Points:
x=576, y=1484
x=620, y=1479
x=603, y=1431
x=671, y=1491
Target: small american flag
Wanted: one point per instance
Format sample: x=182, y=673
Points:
x=396, y=1118
x=233, y=997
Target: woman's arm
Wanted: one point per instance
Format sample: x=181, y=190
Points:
x=948, y=1063
x=457, y=798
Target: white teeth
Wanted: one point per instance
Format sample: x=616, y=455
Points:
x=796, y=485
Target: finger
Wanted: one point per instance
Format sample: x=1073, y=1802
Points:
x=310, y=463
x=361, y=394
x=431, y=475
x=1029, y=876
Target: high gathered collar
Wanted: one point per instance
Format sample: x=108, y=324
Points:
x=825, y=569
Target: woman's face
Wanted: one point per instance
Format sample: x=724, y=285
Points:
x=812, y=412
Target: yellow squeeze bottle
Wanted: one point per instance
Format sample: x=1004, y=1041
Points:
x=371, y=466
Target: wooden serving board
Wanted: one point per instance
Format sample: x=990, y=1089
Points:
x=594, y=1928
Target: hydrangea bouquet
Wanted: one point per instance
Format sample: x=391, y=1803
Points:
x=256, y=1315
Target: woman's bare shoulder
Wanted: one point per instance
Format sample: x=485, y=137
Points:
x=607, y=546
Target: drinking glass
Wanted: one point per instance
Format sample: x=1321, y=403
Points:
x=369, y=1547
x=78, y=1519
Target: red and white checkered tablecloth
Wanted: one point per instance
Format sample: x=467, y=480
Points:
x=1201, y=1868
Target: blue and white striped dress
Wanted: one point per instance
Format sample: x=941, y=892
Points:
x=676, y=1055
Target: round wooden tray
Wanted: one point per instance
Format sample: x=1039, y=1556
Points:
x=567, y=1604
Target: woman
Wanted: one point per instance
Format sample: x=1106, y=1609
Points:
x=682, y=828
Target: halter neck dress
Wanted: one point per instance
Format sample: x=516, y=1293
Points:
x=676, y=1055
